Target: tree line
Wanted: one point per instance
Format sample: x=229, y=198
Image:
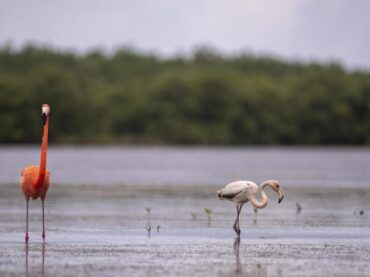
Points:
x=129, y=97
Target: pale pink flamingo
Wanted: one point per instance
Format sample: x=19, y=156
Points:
x=241, y=192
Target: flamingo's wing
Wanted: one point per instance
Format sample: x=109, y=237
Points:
x=232, y=190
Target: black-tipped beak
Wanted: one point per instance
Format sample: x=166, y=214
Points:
x=281, y=199
x=43, y=118
x=281, y=195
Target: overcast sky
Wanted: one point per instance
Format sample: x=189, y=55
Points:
x=296, y=29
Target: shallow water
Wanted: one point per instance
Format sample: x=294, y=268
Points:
x=320, y=166
x=102, y=230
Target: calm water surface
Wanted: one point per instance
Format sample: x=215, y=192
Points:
x=345, y=167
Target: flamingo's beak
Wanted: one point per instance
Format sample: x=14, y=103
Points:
x=281, y=195
x=43, y=118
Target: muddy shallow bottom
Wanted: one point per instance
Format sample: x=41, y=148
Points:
x=97, y=231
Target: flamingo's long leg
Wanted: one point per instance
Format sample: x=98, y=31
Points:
x=27, y=237
x=239, y=210
x=43, y=220
x=236, y=219
x=236, y=224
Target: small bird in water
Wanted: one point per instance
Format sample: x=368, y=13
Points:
x=241, y=192
x=35, y=179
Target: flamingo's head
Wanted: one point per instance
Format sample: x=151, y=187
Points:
x=45, y=108
x=277, y=188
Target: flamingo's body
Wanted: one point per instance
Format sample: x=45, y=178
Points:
x=28, y=180
x=240, y=192
x=34, y=179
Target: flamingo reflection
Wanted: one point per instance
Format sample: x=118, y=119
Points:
x=26, y=250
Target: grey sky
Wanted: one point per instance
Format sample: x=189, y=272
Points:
x=315, y=29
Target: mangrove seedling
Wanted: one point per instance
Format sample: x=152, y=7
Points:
x=148, y=210
x=255, y=216
x=148, y=228
x=299, y=208
x=209, y=215
x=158, y=227
x=194, y=216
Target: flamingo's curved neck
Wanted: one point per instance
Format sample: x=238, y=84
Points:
x=44, y=148
x=264, y=199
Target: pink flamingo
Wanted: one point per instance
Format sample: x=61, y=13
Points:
x=35, y=179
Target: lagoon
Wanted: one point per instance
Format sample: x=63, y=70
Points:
x=150, y=166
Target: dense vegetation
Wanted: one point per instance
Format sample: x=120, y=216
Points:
x=208, y=98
